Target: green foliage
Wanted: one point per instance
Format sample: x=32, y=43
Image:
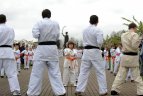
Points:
x=113, y=39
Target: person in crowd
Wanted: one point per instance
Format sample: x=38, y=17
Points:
x=118, y=53
x=92, y=42
x=26, y=56
x=70, y=65
x=130, y=60
x=46, y=55
x=7, y=58
x=17, y=57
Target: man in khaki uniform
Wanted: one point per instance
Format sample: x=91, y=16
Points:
x=130, y=59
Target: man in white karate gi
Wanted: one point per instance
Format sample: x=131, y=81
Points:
x=7, y=58
x=92, y=41
x=46, y=56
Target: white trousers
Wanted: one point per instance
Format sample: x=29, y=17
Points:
x=116, y=66
x=30, y=61
x=2, y=71
x=84, y=73
x=26, y=64
x=106, y=64
x=36, y=78
x=69, y=75
x=112, y=65
x=18, y=66
x=129, y=75
x=11, y=73
x=121, y=76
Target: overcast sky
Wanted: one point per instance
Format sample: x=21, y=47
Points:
x=23, y=14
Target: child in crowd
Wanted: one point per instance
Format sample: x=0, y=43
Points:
x=118, y=54
x=113, y=55
x=30, y=56
x=70, y=64
x=17, y=57
x=106, y=58
x=26, y=55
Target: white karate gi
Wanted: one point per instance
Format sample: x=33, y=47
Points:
x=60, y=52
x=117, y=60
x=79, y=53
x=7, y=58
x=106, y=60
x=46, y=56
x=92, y=58
x=17, y=54
x=70, y=68
x=26, y=56
x=2, y=71
x=129, y=75
x=30, y=57
x=112, y=51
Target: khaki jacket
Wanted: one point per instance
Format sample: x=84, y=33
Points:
x=130, y=42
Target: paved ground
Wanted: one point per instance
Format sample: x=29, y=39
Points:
x=128, y=89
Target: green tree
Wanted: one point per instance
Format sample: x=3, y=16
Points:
x=113, y=39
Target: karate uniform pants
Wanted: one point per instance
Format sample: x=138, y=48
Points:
x=106, y=64
x=2, y=71
x=18, y=66
x=30, y=62
x=69, y=75
x=112, y=65
x=116, y=66
x=9, y=66
x=36, y=78
x=129, y=75
x=84, y=74
x=26, y=64
x=121, y=76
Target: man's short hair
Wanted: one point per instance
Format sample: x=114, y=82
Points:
x=132, y=25
x=46, y=13
x=93, y=19
x=66, y=32
x=2, y=18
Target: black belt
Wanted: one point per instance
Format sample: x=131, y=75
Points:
x=91, y=47
x=47, y=43
x=130, y=53
x=6, y=46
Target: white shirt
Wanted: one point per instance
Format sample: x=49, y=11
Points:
x=30, y=55
x=118, y=54
x=79, y=53
x=46, y=30
x=17, y=54
x=94, y=37
x=25, y=52
x=112, y=51
x=6, y=38
x=71, y=52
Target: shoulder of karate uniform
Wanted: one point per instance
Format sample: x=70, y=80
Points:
x=9, y=27
x=55, y=23
x=99, y=31
x=134, y=34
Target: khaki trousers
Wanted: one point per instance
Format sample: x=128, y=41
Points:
x=121, y=76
